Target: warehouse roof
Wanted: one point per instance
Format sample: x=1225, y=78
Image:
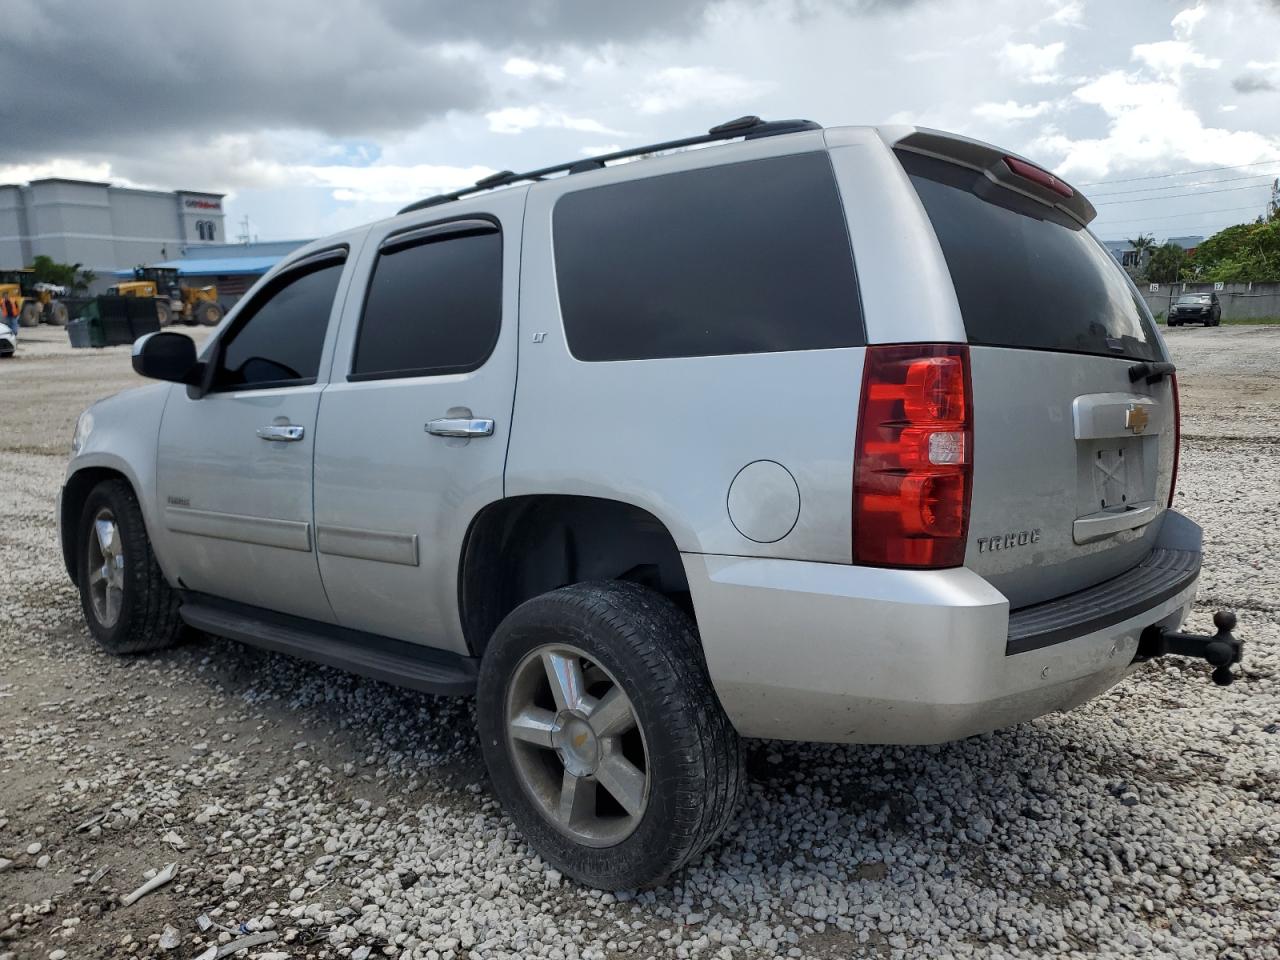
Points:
x=216, y=267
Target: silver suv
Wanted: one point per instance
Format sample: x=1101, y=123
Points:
x=850, y=435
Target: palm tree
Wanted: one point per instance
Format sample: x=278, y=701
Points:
x=1141, y=244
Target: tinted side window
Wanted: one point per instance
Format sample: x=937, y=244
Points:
x=280, y=341
x=433, y=307
x=745, y=258
x=1027, y=275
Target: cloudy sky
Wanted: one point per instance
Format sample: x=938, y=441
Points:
x=314, y=116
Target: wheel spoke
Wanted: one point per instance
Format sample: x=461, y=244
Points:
x=564, y=673
x=114, y=598
x=96, y=576
x=612, y=714
x=577, y=799
x=624, y=782
x=105, y=531
x=534, y=725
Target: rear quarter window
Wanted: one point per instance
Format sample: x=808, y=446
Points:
x=1025, y=274
x=740, y=258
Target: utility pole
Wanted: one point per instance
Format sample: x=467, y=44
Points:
x=244, y=235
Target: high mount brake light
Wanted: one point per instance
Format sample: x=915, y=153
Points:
x=913, y=467
x=1177, y=433
x=1043, y=177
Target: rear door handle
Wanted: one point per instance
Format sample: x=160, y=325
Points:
x=283, y=433
x=460, y=427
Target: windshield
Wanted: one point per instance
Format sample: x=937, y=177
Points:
x=1026, y=274
x=1195, y=299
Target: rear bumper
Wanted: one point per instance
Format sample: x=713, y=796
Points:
x=827, y=652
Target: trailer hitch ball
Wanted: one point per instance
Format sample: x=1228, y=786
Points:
x=1221, y=651
x=1224, y=649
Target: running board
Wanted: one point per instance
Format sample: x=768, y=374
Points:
x=379, y=658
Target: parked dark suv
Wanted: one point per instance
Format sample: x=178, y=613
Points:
x=1196, y=308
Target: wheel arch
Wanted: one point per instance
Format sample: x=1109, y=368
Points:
x=519, y=547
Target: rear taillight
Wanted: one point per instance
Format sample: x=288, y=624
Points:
x=913, y=464
x=1177, y=434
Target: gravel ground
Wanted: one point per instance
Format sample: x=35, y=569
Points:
x=352, y=819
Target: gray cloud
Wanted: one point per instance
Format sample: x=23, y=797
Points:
x=145, y=72
x=503, y=23
x=1252, y=83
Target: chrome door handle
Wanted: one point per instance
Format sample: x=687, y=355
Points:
x=284, y=433
x=460, y=427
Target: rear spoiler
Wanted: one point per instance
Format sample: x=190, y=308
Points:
x=1000, y=166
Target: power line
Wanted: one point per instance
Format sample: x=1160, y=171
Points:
x=1180, y=173
x=1175, y=196
x=1179, y=186
x=1177, y=216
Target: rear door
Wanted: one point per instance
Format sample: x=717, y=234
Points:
x=413, y=428
x=1073, y=459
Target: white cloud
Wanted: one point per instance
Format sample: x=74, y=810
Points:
x=1169, y=57
x=601, y=150
x=678, y=87
x=520, y=119
x=60, y=167
x=1150, y=126
x=1069, y=14
x=1010, y=110
x=1031, y=63
x=532, y=70
x=1184, y=23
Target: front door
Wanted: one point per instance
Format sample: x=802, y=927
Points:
x=234, y=465
x=413, y=429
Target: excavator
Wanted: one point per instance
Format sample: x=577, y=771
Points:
x=174, y=302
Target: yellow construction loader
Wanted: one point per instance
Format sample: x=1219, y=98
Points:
x=174, y=302
x=18, y=287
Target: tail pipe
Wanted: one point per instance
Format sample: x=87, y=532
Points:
x=1221, y=650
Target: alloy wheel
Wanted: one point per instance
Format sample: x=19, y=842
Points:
x=105, y=567
x=577, y=746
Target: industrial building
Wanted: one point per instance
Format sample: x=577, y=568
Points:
x=103, y=228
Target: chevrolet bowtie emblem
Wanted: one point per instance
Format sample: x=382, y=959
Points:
x=1136, y=418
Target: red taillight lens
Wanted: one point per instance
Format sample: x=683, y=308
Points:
x=1177, y=434
x=913, y=466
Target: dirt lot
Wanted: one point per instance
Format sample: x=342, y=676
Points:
x=353, y=819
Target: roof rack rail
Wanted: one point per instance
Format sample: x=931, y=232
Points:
x=748, y=128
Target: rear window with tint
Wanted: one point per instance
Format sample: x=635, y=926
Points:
x=743, y=258
x=1027, y=275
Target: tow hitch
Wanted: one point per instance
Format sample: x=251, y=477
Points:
x=1221, y=650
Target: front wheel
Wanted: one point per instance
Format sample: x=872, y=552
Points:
x=603, y=736
x=127, y=603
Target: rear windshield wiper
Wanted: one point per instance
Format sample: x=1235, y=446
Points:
x=1153, y=370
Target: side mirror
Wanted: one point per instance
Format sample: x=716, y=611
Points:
x=166, y=356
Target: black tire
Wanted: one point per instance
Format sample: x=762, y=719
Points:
x=57, y=314
x=207, y=314
x=29, y=315
x=694, y=755
x=148, y=611
x=164, y=313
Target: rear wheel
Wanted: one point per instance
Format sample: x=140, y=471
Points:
x=127, y=603
x=207, y=313
x=29, y=316
x=603, y=736
x=164, y=313
x=57, y=314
